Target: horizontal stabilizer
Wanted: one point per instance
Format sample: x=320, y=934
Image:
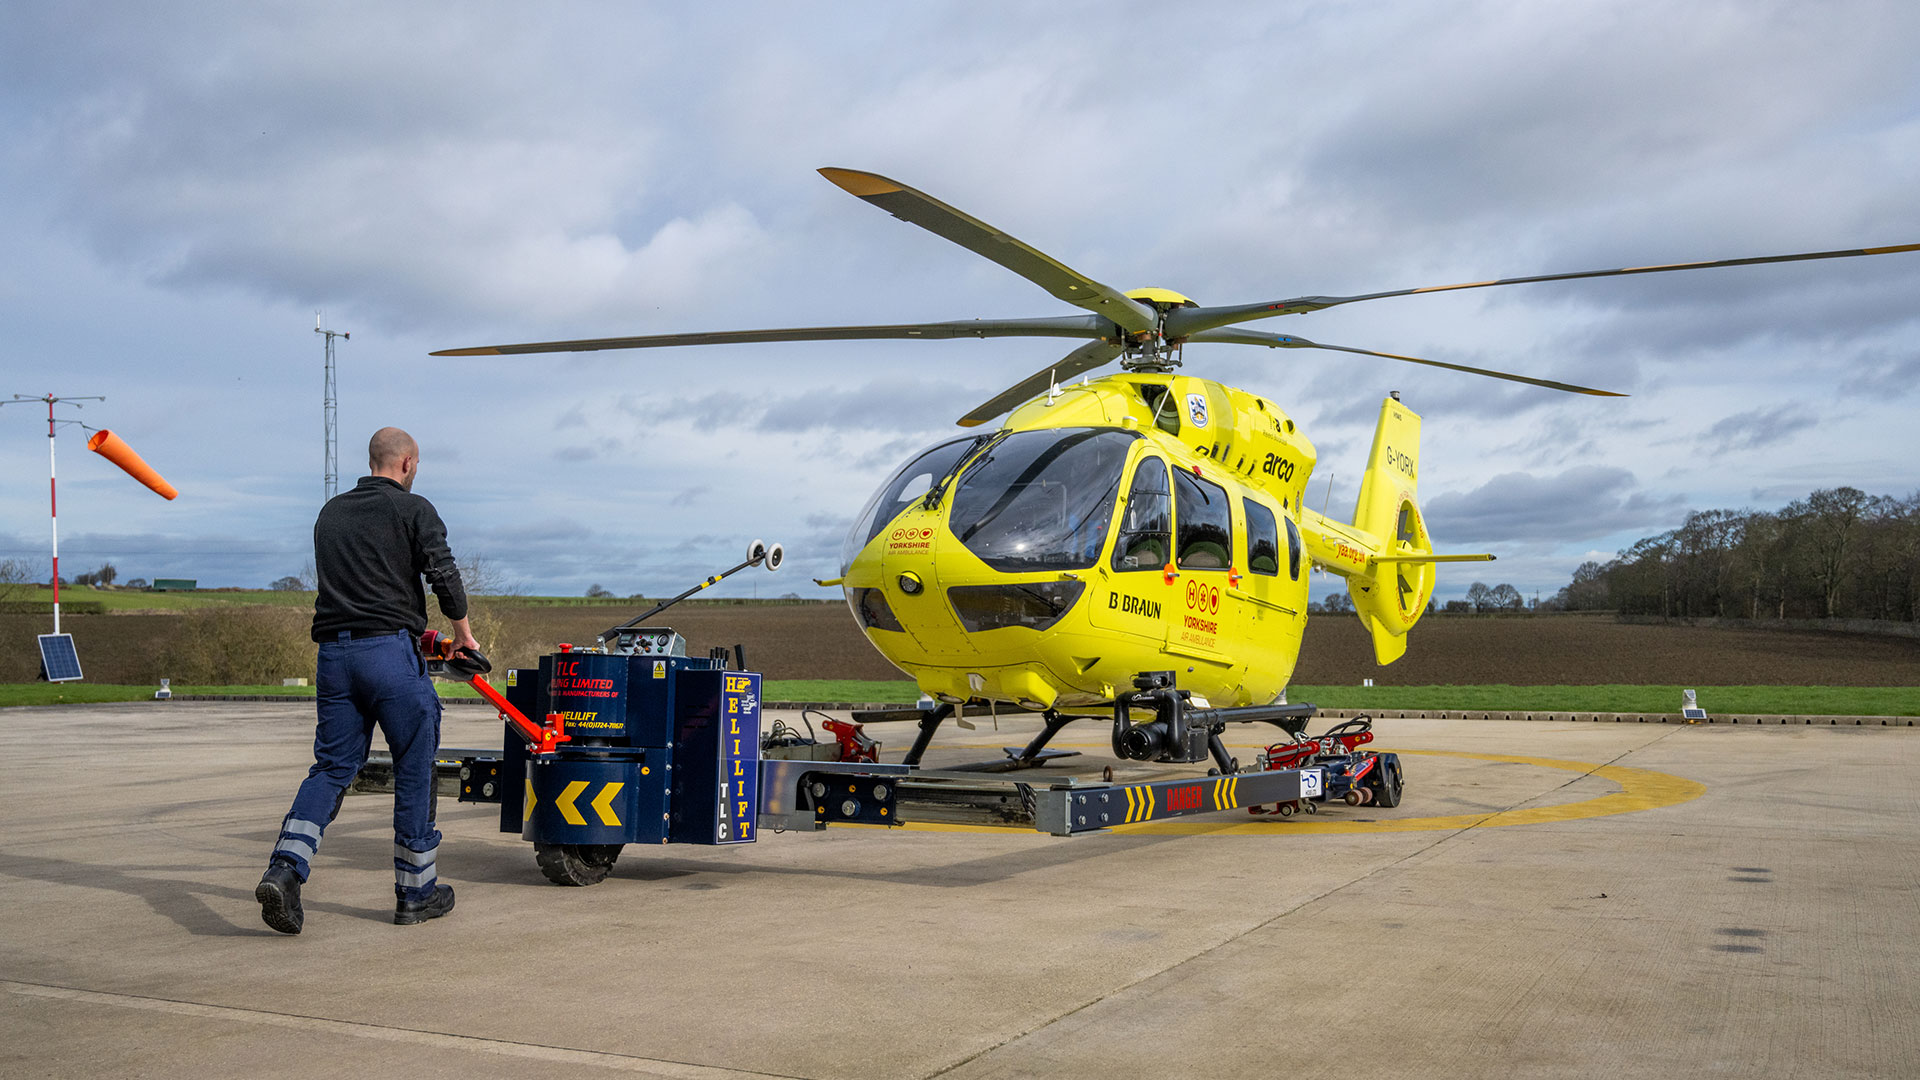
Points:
x=1434, y=558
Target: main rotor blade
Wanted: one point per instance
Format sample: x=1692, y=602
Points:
x=1070, y=326
x=1237, y=336
x=1085, y=358
x=981, y=238
x=1186, y=322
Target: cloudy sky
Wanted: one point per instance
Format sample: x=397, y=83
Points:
x=182, y=187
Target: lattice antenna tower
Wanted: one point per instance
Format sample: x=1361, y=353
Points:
x=330, y=412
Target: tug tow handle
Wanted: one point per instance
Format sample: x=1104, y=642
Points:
x=543, y=740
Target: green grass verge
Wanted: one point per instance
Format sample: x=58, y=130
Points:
x=1790, y=700
x=849, y=690
x=1766, y=700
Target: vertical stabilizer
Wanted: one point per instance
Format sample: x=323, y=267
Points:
x=1395, y=595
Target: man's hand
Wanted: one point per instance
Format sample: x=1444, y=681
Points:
x=463, y=636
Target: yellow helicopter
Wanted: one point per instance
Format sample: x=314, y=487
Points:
x=1138, y=522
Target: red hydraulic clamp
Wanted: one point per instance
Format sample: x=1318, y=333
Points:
x=855, y=744
x=543, y=740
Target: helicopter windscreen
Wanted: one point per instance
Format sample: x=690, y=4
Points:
x=912, y=481
x=1041, y=500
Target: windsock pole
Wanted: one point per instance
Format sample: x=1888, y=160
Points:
x=53, y=508
x=53, y=482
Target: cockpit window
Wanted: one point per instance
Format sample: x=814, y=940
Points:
x=1263, y=540
x=1205, y=523
x=1041, y=500
x=911, y=482
x=1146, y=532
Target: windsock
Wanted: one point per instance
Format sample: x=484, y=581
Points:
x=110, y=446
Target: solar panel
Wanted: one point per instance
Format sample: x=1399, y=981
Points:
x=59, y=662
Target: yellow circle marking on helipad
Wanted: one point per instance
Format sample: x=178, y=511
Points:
x=1640, y=789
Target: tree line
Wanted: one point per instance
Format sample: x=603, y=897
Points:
x=1836, y=554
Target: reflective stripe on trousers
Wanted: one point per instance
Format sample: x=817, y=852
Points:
x=414, y=869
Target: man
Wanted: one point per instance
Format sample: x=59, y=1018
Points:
x=371, y=547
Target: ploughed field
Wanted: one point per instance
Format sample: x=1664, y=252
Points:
x=820, y=641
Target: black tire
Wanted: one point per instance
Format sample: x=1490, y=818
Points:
x=576, y=864
x=1387, y=792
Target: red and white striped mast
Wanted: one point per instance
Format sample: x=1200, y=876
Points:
x=53, y=489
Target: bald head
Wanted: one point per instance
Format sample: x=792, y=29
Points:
x=392, y=453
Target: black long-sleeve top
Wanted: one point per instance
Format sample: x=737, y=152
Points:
x=371, y=547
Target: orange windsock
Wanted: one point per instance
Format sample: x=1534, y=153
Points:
x=109, y=446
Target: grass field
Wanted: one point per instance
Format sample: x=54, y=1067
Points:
x=123, y=600
x=134, y=600
x=1765, y=700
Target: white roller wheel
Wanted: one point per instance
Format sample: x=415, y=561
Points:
x=756, y=551
x=775, y=556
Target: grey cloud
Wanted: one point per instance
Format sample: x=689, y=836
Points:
x=1756, y=428
x=1579, y=503
x=1883, y=374
x=892, y=405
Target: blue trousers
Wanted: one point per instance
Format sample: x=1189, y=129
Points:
x=362, y=683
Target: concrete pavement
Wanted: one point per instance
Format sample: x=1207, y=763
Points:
x=1551, y=899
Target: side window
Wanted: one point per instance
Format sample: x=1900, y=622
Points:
x=1293, y=549
x=1146, y=530
x=1263, y=540
x=1205, y=534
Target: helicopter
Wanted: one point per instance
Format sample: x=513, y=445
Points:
x=1144, y=521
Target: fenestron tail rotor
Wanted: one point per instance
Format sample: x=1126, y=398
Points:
x=1145, y=328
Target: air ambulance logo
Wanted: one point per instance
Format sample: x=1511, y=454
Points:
x=910, y=539
x=1197, y=409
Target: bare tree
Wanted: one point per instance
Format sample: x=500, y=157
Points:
x=18, y=579
x=481, y=575
x=1479, y=596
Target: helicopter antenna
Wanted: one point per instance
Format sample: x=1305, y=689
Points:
x=1053, y=386
x=1328, y=504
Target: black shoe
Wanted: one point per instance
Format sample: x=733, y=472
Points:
x=279, y=896
x=408, y=912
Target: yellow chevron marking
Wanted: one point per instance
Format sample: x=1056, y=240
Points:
x=565, y=802
x=526, y=810
x=603, y=804
x=1150, y=801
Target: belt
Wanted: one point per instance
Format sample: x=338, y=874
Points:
x=356, y=635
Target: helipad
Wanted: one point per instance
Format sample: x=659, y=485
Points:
x=1550, y=899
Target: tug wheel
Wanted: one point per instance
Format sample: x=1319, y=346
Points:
x=1388, y=792
x=1285, y=810
x=576, y=864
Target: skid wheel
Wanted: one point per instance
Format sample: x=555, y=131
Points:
x=576, y=864
x=1309, y=806
x=1285, y=810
